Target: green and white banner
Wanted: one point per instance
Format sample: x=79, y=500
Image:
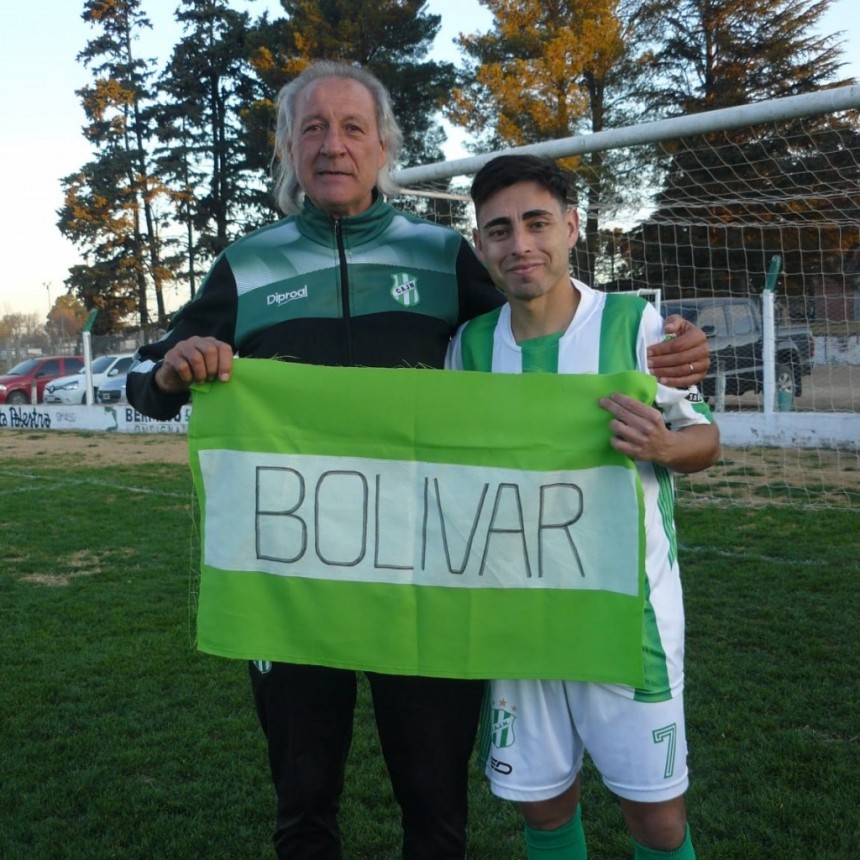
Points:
x=419, y=522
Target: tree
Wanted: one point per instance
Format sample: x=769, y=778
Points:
x=16, y=329
x=110, y=203
x=216, y=183
x=550, y=70
x=525, y=80
x=722, y=53
x=66, y=318
x=99, y=219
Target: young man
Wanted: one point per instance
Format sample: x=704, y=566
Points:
x=552, y=323
x=317, y=287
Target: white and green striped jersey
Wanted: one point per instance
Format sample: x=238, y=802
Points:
x=609, y=333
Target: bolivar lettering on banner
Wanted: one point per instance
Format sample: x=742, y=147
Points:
x=394, y=521
x=408, y=523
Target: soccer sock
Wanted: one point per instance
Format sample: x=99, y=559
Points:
x=683, y=852
x=565, y=843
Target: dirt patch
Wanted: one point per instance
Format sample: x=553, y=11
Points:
x=755, y=475
x=52, y=580
x=750, y=476
x=93, y=449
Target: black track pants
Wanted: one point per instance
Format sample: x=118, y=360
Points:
x=426, y=728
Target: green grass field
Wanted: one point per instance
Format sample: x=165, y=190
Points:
x=120, y=741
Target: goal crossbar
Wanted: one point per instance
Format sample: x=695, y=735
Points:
x=774, y=110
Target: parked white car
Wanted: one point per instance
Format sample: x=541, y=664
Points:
x=113, y=390
x=73, y=389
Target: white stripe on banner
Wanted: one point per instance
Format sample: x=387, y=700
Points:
x=412, y=523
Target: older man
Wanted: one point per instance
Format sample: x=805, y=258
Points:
x=319, y=287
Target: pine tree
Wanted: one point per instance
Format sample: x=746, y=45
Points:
x=217, y=187
x=109, y=210
x=722, y=53
x=550, y=70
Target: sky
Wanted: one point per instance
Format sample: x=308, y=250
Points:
x=40, y=135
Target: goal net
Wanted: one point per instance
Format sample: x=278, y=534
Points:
x=747, y=221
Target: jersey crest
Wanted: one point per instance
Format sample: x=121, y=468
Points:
x=503, y=726
x=405, y=290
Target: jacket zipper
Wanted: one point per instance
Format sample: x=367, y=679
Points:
x=344, y=294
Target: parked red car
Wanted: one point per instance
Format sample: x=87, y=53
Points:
x=16, y=384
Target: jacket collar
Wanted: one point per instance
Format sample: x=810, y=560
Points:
x=356, y=230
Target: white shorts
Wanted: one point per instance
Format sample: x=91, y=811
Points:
x=539, y=730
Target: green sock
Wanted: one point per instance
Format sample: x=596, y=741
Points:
x=683, y=852
x=565, y=843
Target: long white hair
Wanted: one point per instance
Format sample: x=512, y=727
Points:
x=287, y=191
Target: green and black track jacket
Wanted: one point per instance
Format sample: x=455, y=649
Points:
x=379, y=289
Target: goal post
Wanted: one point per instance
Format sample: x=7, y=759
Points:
x=733, y=190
